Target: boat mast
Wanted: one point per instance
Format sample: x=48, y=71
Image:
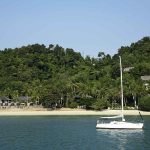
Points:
x=121, y=89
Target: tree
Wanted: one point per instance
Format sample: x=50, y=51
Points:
x=144, y=103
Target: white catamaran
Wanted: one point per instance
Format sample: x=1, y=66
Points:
x=108, y=123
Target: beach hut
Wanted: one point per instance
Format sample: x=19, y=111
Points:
x=24, y=100
x=5, y=101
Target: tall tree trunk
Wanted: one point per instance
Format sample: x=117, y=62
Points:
x=125, y=102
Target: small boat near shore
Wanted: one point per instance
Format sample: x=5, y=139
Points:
x=112, y=122
x=115, y=124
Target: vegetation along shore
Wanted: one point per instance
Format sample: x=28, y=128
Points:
x=53, y=77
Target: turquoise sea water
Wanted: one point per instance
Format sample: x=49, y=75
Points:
x=68, y=133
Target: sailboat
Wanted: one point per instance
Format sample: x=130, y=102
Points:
x=112, y=122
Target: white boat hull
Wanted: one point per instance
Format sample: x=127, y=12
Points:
x=119, y=125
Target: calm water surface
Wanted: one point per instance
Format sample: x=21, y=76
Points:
x=68, y=133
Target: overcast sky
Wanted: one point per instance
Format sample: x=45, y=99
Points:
x=88, y=26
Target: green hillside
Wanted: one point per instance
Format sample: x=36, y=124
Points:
x=56, y=75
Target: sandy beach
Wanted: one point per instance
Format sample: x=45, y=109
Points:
x=65, y=111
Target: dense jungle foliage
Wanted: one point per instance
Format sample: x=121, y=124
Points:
x=144, y=103
x=62, y=77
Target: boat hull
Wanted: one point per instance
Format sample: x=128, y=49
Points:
x=119, y=125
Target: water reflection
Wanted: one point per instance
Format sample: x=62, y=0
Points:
x=120, y=139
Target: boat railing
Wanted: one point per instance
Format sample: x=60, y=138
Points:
x=104, y=120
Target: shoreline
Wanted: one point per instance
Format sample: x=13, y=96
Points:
x=68, y=112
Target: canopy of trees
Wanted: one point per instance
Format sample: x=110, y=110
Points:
x=62, y=76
